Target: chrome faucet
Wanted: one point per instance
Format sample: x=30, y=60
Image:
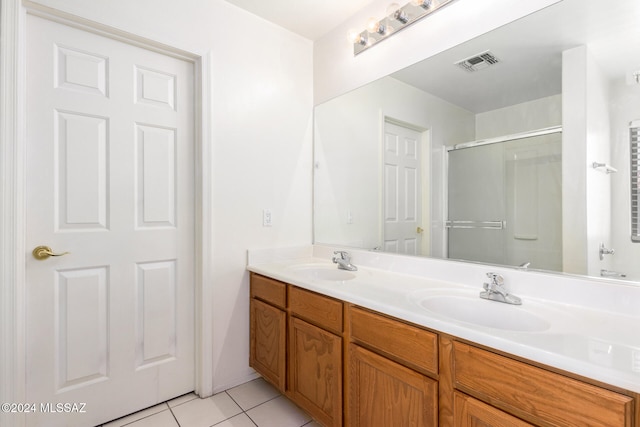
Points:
x=496, y=291
x=343, y=259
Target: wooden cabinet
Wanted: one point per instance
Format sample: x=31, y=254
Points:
x=343, y=363
x=385, y=393
x=297, y=345
x=268, y=333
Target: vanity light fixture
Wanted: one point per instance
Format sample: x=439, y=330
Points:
x=398, y=17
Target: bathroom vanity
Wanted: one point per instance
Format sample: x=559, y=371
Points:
x=346, y=348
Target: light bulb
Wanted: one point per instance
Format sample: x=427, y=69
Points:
x=375, y=26
x=391, y=9
x=353, y=35
x=357, y=38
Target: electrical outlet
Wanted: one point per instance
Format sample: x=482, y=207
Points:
x=267, y=219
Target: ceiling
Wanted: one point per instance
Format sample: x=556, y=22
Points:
x=530, y=54
x=309, y=18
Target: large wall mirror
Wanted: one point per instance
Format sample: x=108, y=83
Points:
x=511, y=149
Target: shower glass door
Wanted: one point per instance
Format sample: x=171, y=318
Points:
x=505, y=202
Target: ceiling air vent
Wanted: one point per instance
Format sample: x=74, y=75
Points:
x=478, y=62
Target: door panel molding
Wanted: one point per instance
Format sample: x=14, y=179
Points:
x=12, y=194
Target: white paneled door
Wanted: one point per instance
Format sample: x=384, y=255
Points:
x=110, y=180
x=402, y=191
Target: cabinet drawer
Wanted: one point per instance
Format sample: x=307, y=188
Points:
x=269, y=290
x=323, y=311
x=535, y=394
x=404, y=343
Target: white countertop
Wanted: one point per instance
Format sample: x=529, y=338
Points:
x=596, y=343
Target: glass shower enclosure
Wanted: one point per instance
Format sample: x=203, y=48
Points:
x=505, y=201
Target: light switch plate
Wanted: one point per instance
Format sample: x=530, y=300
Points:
x=267, y=219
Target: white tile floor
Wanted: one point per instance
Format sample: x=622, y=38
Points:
x=255, y=403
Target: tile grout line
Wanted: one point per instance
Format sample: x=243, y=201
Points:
x=142, y=418
x=242, y=410
x=245, y=412
x=174, y=415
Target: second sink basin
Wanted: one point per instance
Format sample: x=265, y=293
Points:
x=468, y=307
x=329, y=273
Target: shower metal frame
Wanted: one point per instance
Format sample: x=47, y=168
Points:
x=505, y=138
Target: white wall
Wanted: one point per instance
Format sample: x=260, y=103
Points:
x=337, y=71
x=262, y=118
x=262, y=138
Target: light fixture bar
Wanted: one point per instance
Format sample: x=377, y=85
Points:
x=397, y=20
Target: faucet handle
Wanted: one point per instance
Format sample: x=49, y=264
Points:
x=496, y=279
x=343, y=255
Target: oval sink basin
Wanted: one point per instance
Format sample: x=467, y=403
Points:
x=480, y=312
x=326, y=273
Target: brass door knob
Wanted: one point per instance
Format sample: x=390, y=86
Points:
x=419, y=230
x=44, y=252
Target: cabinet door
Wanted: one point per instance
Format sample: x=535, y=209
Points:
x=315, y=371
x=470, y=412
x=268, y=342
x=385, y=393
